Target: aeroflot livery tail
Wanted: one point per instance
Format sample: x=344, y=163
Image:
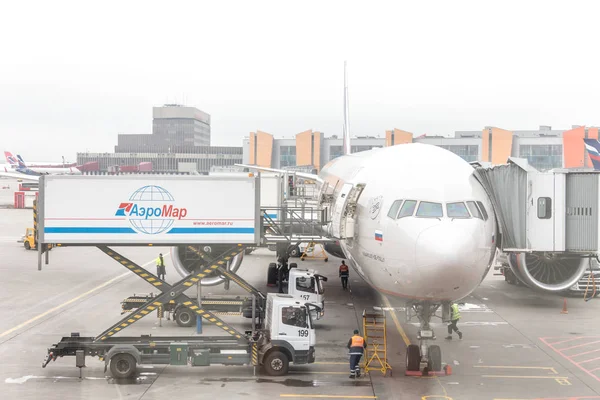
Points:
x=593, y=148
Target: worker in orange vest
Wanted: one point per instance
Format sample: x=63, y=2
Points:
x=356, y=347
x=344, y=274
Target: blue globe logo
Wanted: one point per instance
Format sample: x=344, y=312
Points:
x=151, y=197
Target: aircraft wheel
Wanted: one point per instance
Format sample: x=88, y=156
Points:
x=435, y=358
x=413, y=357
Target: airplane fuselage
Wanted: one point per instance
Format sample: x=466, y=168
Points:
x=425, y=228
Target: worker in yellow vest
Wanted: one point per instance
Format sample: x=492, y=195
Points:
x=454, y=320
x=356, y=347
x=160, y=267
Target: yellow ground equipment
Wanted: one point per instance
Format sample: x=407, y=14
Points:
x=311, y=252
x=374, y=329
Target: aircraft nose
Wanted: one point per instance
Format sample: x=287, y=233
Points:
x=447, y=244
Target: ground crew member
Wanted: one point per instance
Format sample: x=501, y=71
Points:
x=344, y=274
x=454, y=318
x=160, y=267
x=356, y=347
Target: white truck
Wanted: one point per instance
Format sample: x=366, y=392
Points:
x=288, y=337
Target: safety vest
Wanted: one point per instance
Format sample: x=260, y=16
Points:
x=344, y=269
x=159, y=263
x=455, y=312
x=357, y=341
x=357, y=345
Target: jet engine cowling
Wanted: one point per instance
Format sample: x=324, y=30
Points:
x=551, y=272
x=184, y=262
x=335, y=249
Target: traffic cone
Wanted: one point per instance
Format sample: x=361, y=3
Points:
x=564, y=310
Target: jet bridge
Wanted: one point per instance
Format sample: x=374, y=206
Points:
x=547, y=221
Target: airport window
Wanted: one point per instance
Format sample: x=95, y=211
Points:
x=468, y=153
x=305, y=285
x=457, y=210
x=287, y=156
x=474, y=210
x=394, y=209
x=408, y=208
x=545, y=208
x=335, y=152
x=483, y=210
x=542, y=157
x=428, y=209
x=294, y=316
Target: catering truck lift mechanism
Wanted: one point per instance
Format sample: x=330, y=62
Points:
x=288, y=334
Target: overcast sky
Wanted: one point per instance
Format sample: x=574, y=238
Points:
x=73, y=76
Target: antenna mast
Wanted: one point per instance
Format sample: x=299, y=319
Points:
x=346, y=115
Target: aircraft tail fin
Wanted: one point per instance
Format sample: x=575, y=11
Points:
x=593, y=148
x=346, y=142
x=21, y=161
x=10, y=158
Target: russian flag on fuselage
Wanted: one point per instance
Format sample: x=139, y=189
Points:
x=593, y=148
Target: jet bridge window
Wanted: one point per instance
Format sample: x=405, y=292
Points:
x=474, y=210
x=394, y=209
x=408, y=208
x=305, y=285
x=457, y=210
x=294, y=316
x=430, y=210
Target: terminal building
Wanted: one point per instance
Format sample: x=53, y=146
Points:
x=544, y=148
x=179, y=142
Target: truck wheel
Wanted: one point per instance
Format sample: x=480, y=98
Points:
x=276, y=364
x=413, y=357
x=435, y=358
x=272, y=275
x=294, y=251
x=122, y=366
x=27, y=245
x=185, y=317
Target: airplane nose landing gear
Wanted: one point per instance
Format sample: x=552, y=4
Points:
x=425, y=359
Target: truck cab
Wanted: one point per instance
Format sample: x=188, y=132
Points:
x=291, y=332
x=307, y=285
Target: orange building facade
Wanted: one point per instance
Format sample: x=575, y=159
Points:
x=544, y=148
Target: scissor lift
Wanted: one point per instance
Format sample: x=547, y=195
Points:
x=125, y=352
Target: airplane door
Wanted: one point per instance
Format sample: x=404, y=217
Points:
x=338, y=209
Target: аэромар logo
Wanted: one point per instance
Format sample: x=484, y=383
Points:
x=150, y=210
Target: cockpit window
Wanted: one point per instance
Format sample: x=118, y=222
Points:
x=394, y=209
x=428, y=209
x=408, y=208
x=483, y=211
x=457, y=210
x=474, y=210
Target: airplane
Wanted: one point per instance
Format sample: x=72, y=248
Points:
x=23, y=172
x=593, y=148
x=425, y=229
x=23, y=168
x=12, y=160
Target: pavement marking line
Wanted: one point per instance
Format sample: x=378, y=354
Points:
x=330, y=363
x=559, y=352
x=515, y=367
x=396, y=322
x=74, y=299
x=580, y=345
x=585, y=352
x=318, y=372
x=525, y=377
x=325, y=396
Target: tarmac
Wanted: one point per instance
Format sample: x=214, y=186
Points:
x=517, y=344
